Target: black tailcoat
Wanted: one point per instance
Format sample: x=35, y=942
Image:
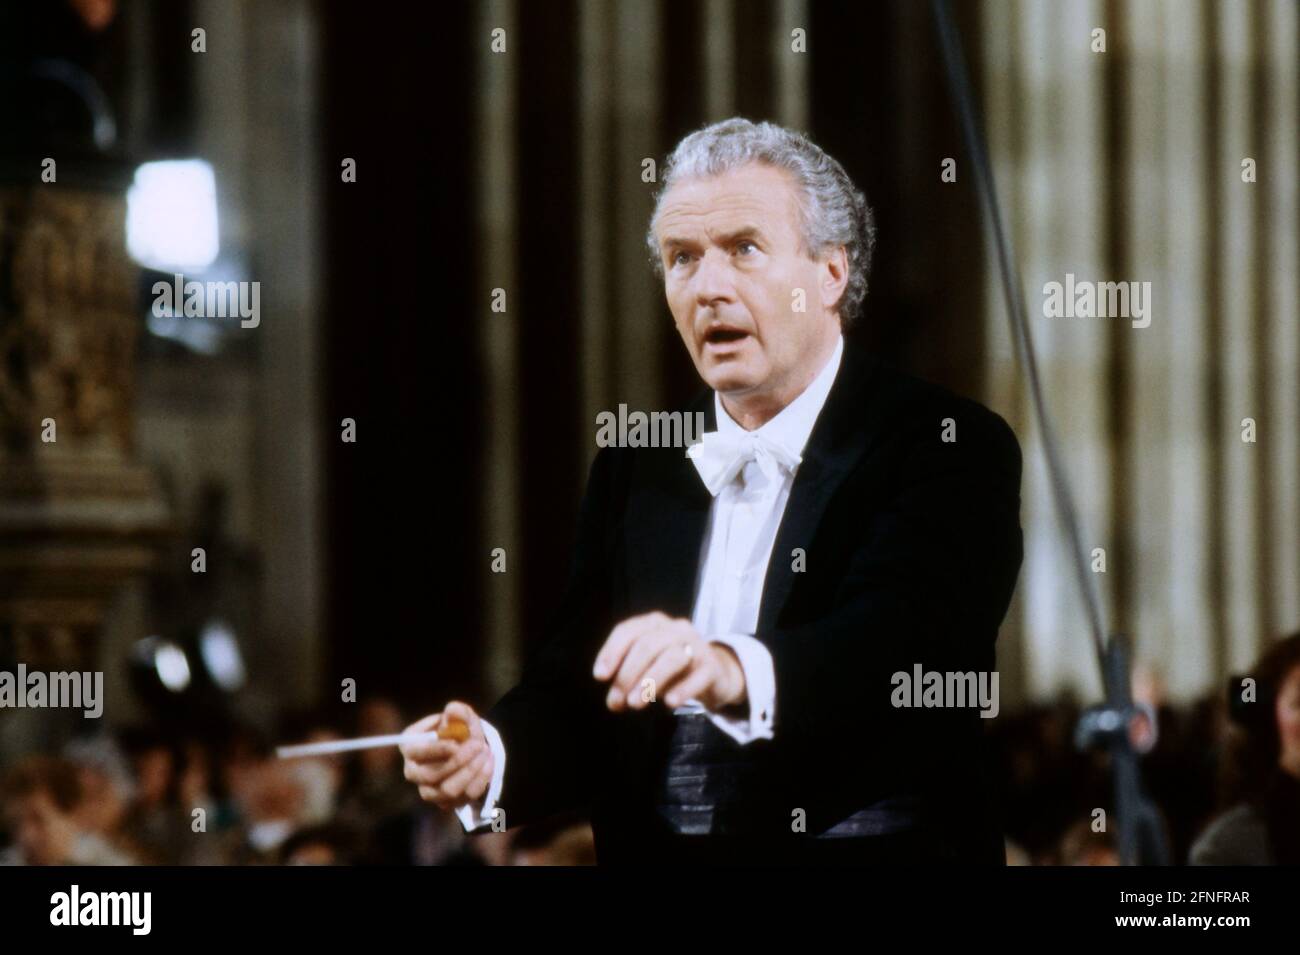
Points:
x=912, y=547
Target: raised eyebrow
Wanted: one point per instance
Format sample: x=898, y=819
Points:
x=740, y=235
x=672, y=244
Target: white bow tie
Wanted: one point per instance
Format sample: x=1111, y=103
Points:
x=720, y=457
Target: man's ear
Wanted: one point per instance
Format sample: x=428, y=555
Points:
x=834, y=276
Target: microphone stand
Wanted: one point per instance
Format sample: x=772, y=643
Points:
x=1141, y=836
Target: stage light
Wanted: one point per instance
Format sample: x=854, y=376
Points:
x=171, y=216
x=221, y=656
x=167, y=662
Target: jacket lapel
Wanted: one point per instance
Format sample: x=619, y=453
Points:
x=666, y=525
x=839, y=439
x=669, y=514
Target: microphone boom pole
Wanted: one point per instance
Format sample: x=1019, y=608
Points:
x=1141, y=837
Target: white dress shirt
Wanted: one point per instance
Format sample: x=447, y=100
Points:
x=743, y=521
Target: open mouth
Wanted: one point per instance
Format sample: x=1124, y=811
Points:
x=724, y=336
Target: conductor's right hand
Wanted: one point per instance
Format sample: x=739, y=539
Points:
x=449, y=774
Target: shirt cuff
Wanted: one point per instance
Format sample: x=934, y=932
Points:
x=478, y=815
x=760, y=689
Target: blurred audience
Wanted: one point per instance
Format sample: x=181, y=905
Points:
x=328, y=844
x=217, y=795
x=1262, y=774
x=559, y=841
x=45, y=811
x=1083, y=844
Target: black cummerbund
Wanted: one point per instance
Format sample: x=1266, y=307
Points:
x=713, y=785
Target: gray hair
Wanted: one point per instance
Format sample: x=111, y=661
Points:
x=833, y=211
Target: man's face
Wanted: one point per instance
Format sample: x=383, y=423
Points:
x=103, y=805
x=756, y=313
x=43, y=832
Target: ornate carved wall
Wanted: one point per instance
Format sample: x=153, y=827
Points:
x=78, y=513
